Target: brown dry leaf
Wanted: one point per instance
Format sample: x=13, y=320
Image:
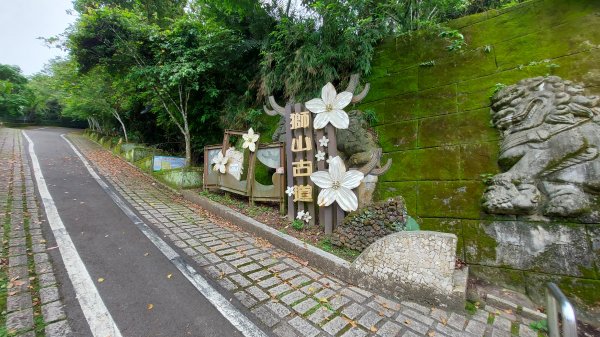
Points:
x=431, y=333
x=385, y=305
x=381, y=313
x=508, y=311
x=169, y=276
x=444, y=321
x=373, y=329
x=101, y=279
x=150, y=306
x=407, y=322
x=146, y=254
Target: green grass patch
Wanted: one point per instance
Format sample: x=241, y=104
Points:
x=491, y=318
x=514, y=329
x=471, y=307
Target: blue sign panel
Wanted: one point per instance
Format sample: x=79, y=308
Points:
x=167, y=163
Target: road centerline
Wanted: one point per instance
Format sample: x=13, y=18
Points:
x=234, y=316
x=95, y=311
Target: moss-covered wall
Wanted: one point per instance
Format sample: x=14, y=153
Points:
x=434, y=122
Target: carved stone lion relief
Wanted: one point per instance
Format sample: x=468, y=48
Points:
x=549, y=150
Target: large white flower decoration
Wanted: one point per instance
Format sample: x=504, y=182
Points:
x=329, y=108
x=250, y=139
x=220, y=163
x=336, y=185
x=300, y=215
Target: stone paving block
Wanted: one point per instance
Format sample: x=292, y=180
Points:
x=353, y=295
x=502, y=323
x=279, y=289
x=310, y=272
x=457, y=321
x=201, y=261
x=416, y=306
x=245, y=298
x=329, y=283
x=476, y=328
x=239, y=262
x=386, y=303
x=288, y=274
x=250, y=268
x=312, y=288
x=336, y=325
x=389, y=329
x=338, y=301
x=354, y=332
x=53, y=312
x=267, y=262
x=19, y=320
x=303, y=327
x=225, y=268
x=261, y=274
x=278, y=267
x=500, y=333
x=353, y=310
x=448, y=331
x=418, y=316
x=257, y=293
x=241, y=280
x=44, y=267
x=305, y=306
x=412, y=324
x=14, y=261
x=284, y=330
x=265, y=315
x=280, y=310
x=369, y=319
x=18, y=302
x=227, y=284
x=271, y=281
x=320, y=315
x=41, y=257
x=381, y=309
x=17, y=250
x=325, y=294
x=526, y=331
x=292, y=297
x=190, y=251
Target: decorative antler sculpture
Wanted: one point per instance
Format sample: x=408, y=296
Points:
x=373, y=167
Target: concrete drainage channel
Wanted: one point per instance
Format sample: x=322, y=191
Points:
x=453, y=298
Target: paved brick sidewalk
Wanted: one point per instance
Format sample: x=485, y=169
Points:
x=286, y=295
x=33, y=306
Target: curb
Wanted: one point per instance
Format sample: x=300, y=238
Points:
x=504, y=304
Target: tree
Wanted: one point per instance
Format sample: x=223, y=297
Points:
x=14, y=94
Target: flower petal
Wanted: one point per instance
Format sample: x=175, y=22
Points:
x=222, y=168
x=252, y=147
x=246, y=144
x=254, y=138
x=337, y=169
x=339, y=119
x=321, y=120
x=315, y=105
x=352, y=179
x=328, y=93
x=342, y=100
x=246, y=137
x=321, y=179
x=346, y=199
x=326, y=197
x=251, y=131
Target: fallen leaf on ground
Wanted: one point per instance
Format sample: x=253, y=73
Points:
x=101, y=280
x=170, y=275
x=431, y=333
x=444, y=321
x=150, y=306
x=146, y=254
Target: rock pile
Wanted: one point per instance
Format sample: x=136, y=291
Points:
x=366, y=225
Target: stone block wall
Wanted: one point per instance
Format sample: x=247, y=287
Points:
x=434, y=122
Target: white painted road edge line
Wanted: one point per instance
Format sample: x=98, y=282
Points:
x=235, y=317
x=99, y=319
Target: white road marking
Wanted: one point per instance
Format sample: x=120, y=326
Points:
x=235, y=317
x=99, y=319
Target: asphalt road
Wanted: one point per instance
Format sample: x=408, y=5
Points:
x=134, y=271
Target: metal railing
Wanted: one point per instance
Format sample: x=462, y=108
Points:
x=558, y=303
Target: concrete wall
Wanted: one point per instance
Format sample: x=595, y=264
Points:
x=434, y=122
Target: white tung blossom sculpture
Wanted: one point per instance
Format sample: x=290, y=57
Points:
x=329, y=108
x=250, y=139
x=220, y=163
x=336, y=185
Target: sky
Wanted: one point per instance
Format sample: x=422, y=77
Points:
x=22, y=22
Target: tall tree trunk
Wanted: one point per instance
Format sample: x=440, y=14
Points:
x=118, y=117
